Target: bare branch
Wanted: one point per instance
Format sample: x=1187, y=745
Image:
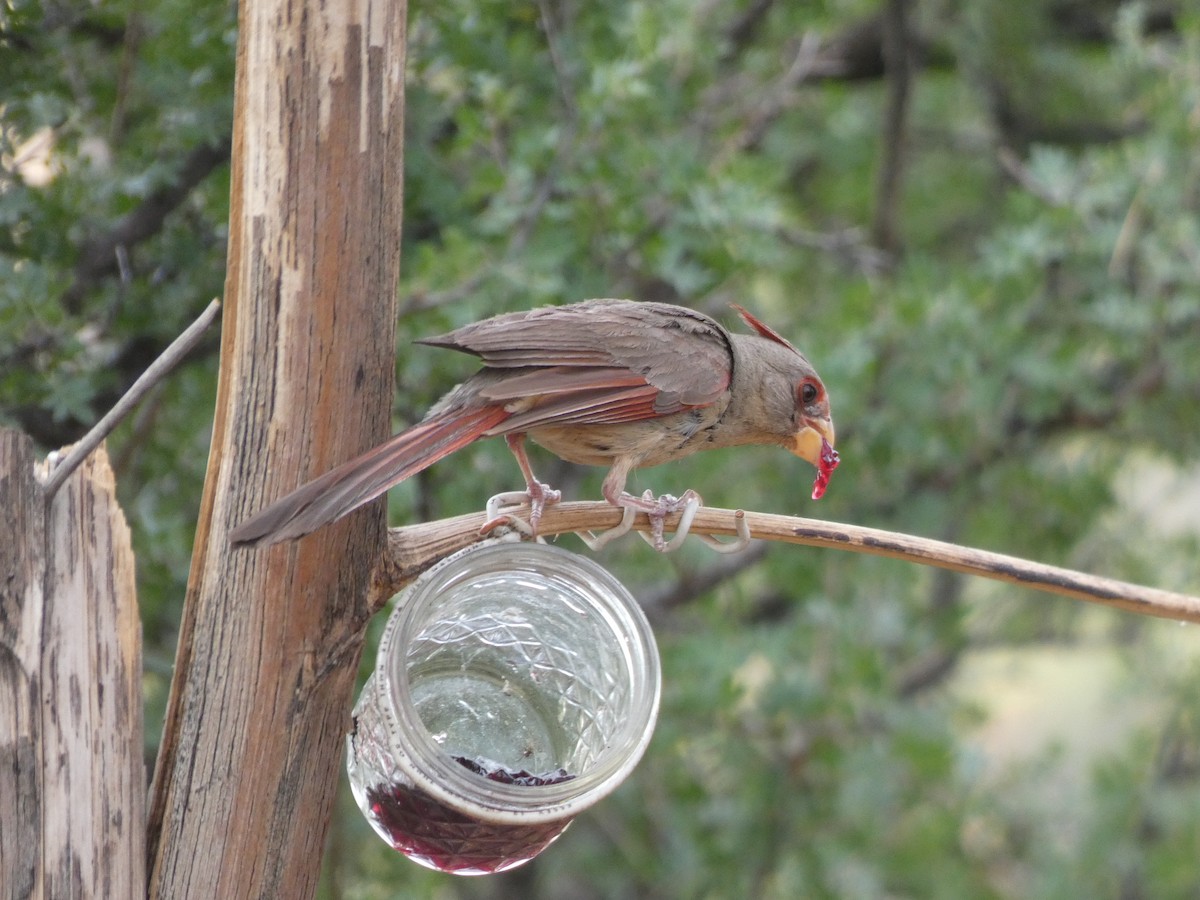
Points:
x=158, y=370
x=777, y=100
x=414, y=548
x=99, y=256
x=848, y=245
x=741, y=33
x=1013, y=166
x=897, y=55
x=691, y=584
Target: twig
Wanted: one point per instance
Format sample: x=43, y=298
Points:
x=158, y=370
x=562, y=79
x=740, y=34
x=778, y=98
x=847, y=245
x=98, y=256
x=414, y=548
x=1127, y=239
x=885, y=232
x=1016, y=169
x=531, y=217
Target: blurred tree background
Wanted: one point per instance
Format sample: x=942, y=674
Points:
x=979, y=220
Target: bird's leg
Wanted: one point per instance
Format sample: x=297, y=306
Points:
x=613, y=490
x=537, y=494
x=656, y=509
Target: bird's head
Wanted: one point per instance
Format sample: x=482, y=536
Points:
x=814, y=437
x=810, y=433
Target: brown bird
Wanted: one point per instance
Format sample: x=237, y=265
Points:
x=603, y=382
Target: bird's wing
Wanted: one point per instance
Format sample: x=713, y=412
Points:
x=576, y=395
x=599, y=361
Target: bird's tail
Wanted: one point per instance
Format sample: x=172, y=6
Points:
x=362, y=479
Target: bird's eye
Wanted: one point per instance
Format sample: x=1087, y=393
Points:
x=809, y=393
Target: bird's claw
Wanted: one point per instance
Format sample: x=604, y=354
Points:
x=501, y=513
x=739, y=543
x=657, y=509
x=606, y=537
x=537, y=497
x=664, y=506
x=515, y=525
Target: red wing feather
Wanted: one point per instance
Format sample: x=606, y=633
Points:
x=362, y=479
x=599, y=407
x=560, y=380
x=521, y=358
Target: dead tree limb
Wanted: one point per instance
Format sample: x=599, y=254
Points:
x=269, y=640
x=416, y=547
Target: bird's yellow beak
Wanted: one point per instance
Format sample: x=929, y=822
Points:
x=806, y=443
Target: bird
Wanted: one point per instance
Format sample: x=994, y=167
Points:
x=604, y=382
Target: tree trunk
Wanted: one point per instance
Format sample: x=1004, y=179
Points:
x=72, y=777
x=270, y=638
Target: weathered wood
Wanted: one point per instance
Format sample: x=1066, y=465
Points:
x=270, y=638
x=72, y=777
x=94, y=799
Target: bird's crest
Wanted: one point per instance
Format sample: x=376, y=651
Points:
x=763, y=328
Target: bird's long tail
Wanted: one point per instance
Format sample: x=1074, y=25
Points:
x=362, y=479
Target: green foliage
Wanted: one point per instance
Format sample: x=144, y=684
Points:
x=1011, y=379
x=102, y=106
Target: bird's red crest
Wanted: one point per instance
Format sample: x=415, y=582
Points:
x=762, y=327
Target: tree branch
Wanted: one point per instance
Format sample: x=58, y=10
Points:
x=269, y=640
x=777, y=99
x=158, y=370
x=99, y=255
x=885, y=230
x=742, y=32
x=414, y=548
x=690, y=584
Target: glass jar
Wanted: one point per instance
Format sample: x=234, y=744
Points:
x=516, y=685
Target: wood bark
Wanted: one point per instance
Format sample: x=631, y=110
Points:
x=270, y=638
x=72, y=777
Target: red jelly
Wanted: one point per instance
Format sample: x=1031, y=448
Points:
x=442, y=838
x=829, y=462
x=520, y=777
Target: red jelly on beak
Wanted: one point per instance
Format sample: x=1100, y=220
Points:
x=829, y=462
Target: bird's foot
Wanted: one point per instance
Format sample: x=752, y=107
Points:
x=657, y=509
x=606, y=537
x=740, y=542
x=537, y=496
